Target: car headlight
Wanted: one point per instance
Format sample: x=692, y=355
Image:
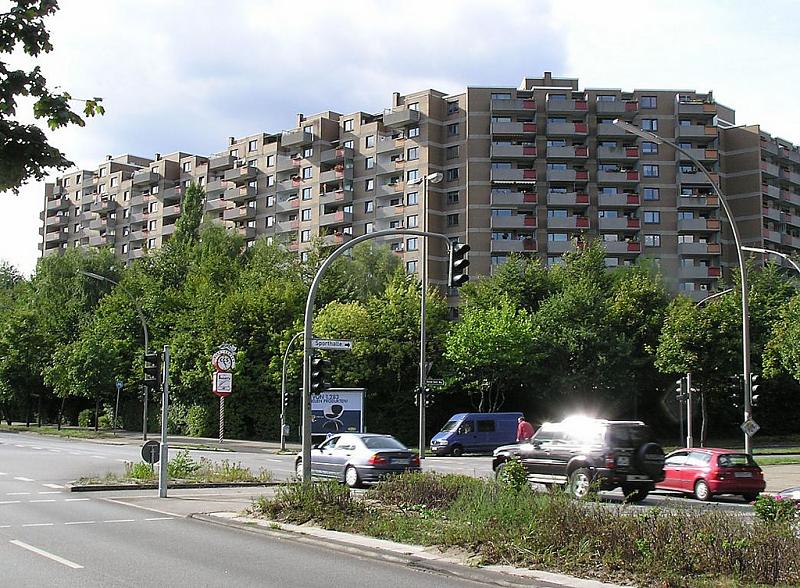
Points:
x=439, y=442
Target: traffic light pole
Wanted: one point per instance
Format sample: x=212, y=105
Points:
x=164, y=457
x=308, y=319
x=689, y=439
x=283, y=390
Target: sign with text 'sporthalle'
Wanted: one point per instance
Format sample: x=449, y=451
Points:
x=337, y=410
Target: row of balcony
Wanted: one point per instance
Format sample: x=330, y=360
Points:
x=601, y=106
x=620, y=223
x=604, y=129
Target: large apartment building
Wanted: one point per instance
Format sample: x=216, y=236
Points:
x=534, y=170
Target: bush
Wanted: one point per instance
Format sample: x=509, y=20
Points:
x=425, y=489
x=140, y=471
x=176, y=419
x=198, y=421
x=513, y=474
x=182, y=466
x=777, y=510
x=325, y=502
x=86, y=418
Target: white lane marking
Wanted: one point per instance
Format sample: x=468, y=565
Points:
x=43, y=553
x=17, y=493
x=20, y=445
x=55, y=450
x=50, y=492
x=75, y=453
x=5, y=526
x=21, y=479
x=120, y=521
x=123, y=460
x=56, y=486
x=76, y=499
x=39, y=525
x=10, y=501
x=161, y=519
x=98, y=457
x=43, y=500
x=80, y=523
x=275, y=460
x=3, y=474
x=163, y=512
x=34, y=447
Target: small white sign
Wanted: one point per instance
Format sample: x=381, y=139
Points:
x=750, y=427
x=435, y=382
x=332, y=344
x=223, y=384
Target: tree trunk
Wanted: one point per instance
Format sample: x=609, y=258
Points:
x=61, y=412
x=96, y=413
x=704, y=424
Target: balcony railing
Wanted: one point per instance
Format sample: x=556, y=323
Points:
x=620, y=200
x=513, y=199
x=518, y=245
x=568, y=222
x=567, y=199
x=517, y=221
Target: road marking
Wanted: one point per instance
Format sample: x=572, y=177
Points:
x=21, y=479
x=76, y=499
x=161, y=519
x=10, y=501
x=147, y=508
x=80, y=523
x=275, y=460
x=50, y=492
x=120, y=521
x=17, y=493
x=3, y=474
x=56, y=486
x=123, y=460
x=43, y=500
x=43, y=553
x=34, y=447
x=5, y=526
x=55, y=450
x=75, y=453
x=98, y=457
x=38, y=525
x=20, y=446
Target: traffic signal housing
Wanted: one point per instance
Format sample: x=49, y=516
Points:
x=680, y=389
x=457, y=275
x=754, y=386
x=318, y=367
x=152, y=371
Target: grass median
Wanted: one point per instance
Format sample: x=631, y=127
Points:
x=508, y=523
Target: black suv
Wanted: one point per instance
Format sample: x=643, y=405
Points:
x=582, y=452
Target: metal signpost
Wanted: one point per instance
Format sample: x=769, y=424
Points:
x=116, y=407
x=162, y=473
x=224, y=361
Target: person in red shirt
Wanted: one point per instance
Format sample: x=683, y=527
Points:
x=524, y=430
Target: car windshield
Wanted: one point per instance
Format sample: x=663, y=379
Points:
x=732, y=460
x=628, y=435
x=449, y=426
x=383, y=443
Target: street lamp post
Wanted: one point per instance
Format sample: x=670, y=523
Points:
x=144, y=330
x=742, y=270
x=771, y=252
x=283, y=390
x=433, y=178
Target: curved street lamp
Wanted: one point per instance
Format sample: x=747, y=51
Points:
x=771, y=252
x=742, y=270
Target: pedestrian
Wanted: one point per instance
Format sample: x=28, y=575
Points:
x=524, y=430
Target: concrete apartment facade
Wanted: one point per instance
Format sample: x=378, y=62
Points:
x=534, y=170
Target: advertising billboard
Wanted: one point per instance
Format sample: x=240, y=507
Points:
x=337, y=410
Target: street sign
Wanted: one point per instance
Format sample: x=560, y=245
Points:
x=435, y=382
x=119, y=385
x=332, y=344
x=151, y=451
x=222, y=384
x=223, y=360
x=750, y=427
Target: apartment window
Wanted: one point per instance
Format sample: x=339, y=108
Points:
x=307, y=172
x=452, y=152
x=650, y=171
x=411, y=244
x=308, y=152
x=606, y=98
x=412, y=198
x=396, y=224
x=452, y=174
x=563, y=167
x=308, y=129
x=305, y=236
x=648, y=102
x=412, y=221
x=270, y=181
x=348, y=144
x=201, y=180
x=411, y=267
x=124, y=247
x=369, y=141
x=502, y=212
x=452, y=197
x=126, y=213
x=114, y=182
x=561, y=213
x=650, y=124
x=369, y=206
x=126, y=231
x=649, y=147
x=501, y=96
x=652, y=217
x=607, y=190
x=252, y=145
x=412, y=174
x=152, y=225
x=154, y=189
x=611, y=261
x=270, y=221
x=305, y=214
x=103, y=172
x=412, y=153
x=652, y=194
x=452, y=107
x=270, y=160
x=413, y=106
x=151, y=243
x=369, y=184
x=685, y=238
x=270, y=200
x=509, y=165
x=452, y=220
x=368, y=228
x=685, y=215
x=348, y=126
x=369, y=162
x=557, y=237
x=413, y=132
x=556, y=142
x=234, y=153
x=152, y=207
x=452, y=129
x=499, y=259
x=652, y=240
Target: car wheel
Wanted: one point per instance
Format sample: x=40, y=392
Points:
x=298, y=469
x=750, y=496
x=351, y=477
x=498, y=473
x=456, y=451
x=634, y=494
x=579, y=483
x=701, y=491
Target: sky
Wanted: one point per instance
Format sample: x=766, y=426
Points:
x=185, y=75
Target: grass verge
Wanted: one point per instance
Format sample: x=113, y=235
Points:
x=506, y=524
x=64, y=432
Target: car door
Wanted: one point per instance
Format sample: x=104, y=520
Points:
x=468, y=434
x=322, y=458
x=696, y=467
x=535, y=456
x=674, y=476
x=485, y=434
x=340, y=455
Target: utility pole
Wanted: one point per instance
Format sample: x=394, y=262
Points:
x=164, y=457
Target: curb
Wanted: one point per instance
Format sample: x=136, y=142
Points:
x=174, y=485
x=416, y=556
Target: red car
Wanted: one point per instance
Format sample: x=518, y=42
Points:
x=705, y=472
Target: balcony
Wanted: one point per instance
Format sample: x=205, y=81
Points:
x=513, y=151
x=58, y=204
x=341, y=196
x=168, y=230
x=770, y=235
x=172, y=194
x=622, y=247
x=136, y=253
x=291, y=185
x=171, y=211
x=622, y=108
x=389, y=211
x=618, y=153
x=59, y=191
x=513, y=199
x=401, y=118
x=772, y=213
x=607, y=129
x=699, y=248
x=336, y=175
x=216, y=204
x=770, y=169
x=286, y=163
x=101, y=240
x=698, y=224
x=336, y=239
x=695, y=132
x=287, y=205
x=103, y=206
x=215, y=188
x=790, y=175
x=618, y=177
x=568, y=152
x=561, y=246
x=221, y=162
x=247, y=232
x=513, y=175
x=620, y=223
x=567, y=106
x=240, y=194
x=390, y=189
x=567, y=129
x=517, y=221
x=56, y=237
x=790, y=241
x=518, y=245
x=513, y=105
x=513, y=128
x=696, y=178
x=567, y=175
x=136, y=236
x=790, y=219
x=287, y=226
x=336, y=218
x=57, y=222
x=145, y=176
x=387, y=143
x=97, y=224
x=699, y=271
x=296, y=138
x=238, y=214
x=698, y=202
x=567, y=199
x=703, y=154
x=140, y=217
x=697, y=107
x=337, y=154
x=790, y=197
x=241, y=175
x=618, y=200
x=568, y=222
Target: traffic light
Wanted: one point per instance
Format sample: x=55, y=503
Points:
x=428, y=398
x=318, y=367
x=152, y=371
x=458, y=264
x=736, y=395
x=680, y=389
x=754, y=385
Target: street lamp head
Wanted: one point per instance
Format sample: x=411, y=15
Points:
x=637, y=131
x=415, y=181
x=435, y=177
x=92, y=275
x=759, y=250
